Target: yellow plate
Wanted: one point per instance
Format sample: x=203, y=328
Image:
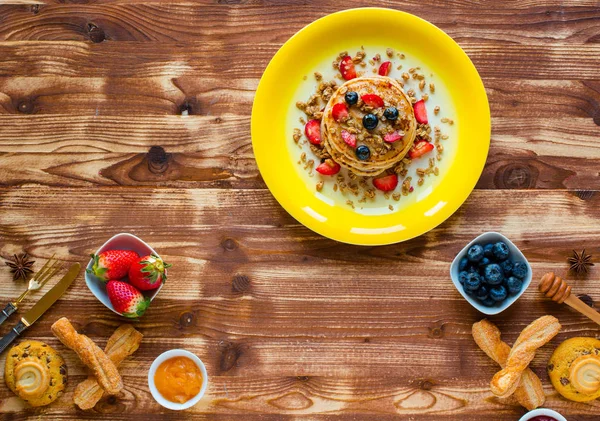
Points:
x=348, y=30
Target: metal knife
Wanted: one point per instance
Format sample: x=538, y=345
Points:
x=41, y=306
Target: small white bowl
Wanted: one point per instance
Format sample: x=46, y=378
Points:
x=121, y=241
x=515, y=255
x=542, y=411
x=156, y=394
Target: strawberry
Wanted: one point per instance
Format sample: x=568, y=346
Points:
x=112, y=264
x=126, y=299
x=347, y=68
x=329, y=167
x=420, y=111
x=385, y=68
x=313, y=131
x=420, y=148
x=392, y=137
x=372, y=100
x=148, y=272
x=339, y=112
x=349, y=138
x=386, y=183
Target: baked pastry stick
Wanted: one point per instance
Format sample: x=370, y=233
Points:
x=530, y=392
x=122, y=343
x=534, y=336
x=89, y=353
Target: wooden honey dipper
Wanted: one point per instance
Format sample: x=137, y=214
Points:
x=559, y=291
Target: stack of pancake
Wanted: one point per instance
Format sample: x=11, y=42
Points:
x=381, y=158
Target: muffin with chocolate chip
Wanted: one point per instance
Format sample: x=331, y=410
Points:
x=574, y=369
x=35, y=372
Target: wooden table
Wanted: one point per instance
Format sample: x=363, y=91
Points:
x=290, y=325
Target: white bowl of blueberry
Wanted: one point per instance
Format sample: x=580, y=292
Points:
x=491, y=273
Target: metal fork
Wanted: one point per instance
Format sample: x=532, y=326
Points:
x=39, y=280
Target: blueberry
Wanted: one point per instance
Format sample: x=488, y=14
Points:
x=472, y=269
x=370, y=121
x=391, y=113
x=520, y=270
x=484, y=262
x=475, y=253
x=363, y=152
x=472, y=282
x=462, y=276
x=494, y=274
x=482, y=293
x=487, y=250
x=463, y=263
x=498, y=293
x=507, y=267
x=351, y=97
x=488, y=302
x=514, y=285
x=500, y=251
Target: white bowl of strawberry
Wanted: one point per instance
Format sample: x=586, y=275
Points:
x=125, y=274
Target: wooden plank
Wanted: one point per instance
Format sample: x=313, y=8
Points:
x=213, y=59
x=65, y=150
x=126, y=96
x=270, y=20
x=215, y=96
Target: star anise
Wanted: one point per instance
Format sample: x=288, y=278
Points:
x=580, y=262
x=20, y=266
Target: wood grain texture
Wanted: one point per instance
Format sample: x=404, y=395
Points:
x=113, y=112
x=279, y=334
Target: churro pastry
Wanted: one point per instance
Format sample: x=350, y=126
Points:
x=529, y=393
x=93, y=357
x=122, y=343
x=534, y=336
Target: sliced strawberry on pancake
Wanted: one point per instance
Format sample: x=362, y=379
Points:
x=349, y=138
x=372, y=100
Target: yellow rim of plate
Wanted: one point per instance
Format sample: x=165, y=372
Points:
x=348, y=30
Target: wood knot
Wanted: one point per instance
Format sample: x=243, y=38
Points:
x=436, y=332
x=35, y=9
x=110, y=405
x=187, y=319
x=230, y=354
x=302, y=378
x=586, y=299
x=25, y=106
x=218, y=120
x=158, y=160
x=95, y=33
x=585, y=194
x=229, y=244
x=597, y=117
x=240, y=283
x=188, y=107
x=425, y=385
x=367, y=340
x=516, y=176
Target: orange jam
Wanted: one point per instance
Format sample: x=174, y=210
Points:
x=178, y=379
